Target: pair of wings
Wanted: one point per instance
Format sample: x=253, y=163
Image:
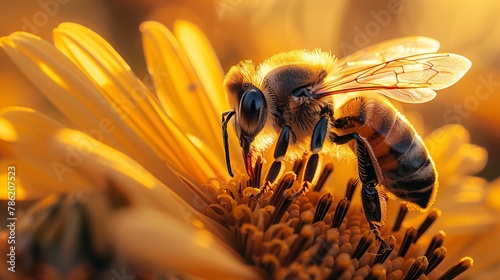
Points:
x=406, y=69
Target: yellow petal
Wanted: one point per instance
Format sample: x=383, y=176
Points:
x=121, y=88
x=482, y=248
x=143, y=189
x=204, y=62
x=133, y=101
x=31, y=154
x=7, y=131
x=49, y=158
x=77, y=97
x=199, y=81
x=446, y=140
x=55, y=75
x=179, y=87
x=473, y=159
x=452, y=153
x=182, y=248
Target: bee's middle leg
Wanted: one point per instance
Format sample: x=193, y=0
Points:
x=317, y=140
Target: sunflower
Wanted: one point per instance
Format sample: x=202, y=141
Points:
x=135, y=184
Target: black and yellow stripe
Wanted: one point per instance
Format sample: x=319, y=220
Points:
x=407, y=168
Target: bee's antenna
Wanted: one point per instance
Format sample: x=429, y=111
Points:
x=226, y=116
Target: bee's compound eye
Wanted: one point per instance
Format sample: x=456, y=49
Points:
x=252, y=107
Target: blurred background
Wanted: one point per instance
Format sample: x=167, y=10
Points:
x=257, y=29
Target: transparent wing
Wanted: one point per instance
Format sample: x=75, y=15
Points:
x=411, y=79
x=388, y=50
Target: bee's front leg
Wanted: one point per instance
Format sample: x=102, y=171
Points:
x=226, y=116
x=279, y=153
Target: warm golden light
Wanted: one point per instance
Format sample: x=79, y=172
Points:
x=122, y=155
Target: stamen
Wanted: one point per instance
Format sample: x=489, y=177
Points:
x=306, y=186
x=403, y=210
x=305, y=237
x=196, y=189
x=340, y=212
x=285, y=183
x=407, y=241
x=290, y=229
x=417, y=268
x=436, y=258
x=289, y=196
x=323, y=206
x=429, y=220
x=351, y=188
x=324, y=248
x=249, y=235
x=383, y=253
x=294, y=271
x=323, y=176
x=306, y=218
x=365, y=242
x=257, y=174
x=435, y=243
x=378, y=272
x=342, y=263
x=270, y=263
x=457, y=269
x=256, y=198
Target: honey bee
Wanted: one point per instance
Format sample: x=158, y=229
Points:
x=304, y=98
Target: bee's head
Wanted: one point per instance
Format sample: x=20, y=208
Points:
x=248, y=108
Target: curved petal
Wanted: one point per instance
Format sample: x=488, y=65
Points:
x=50, y=159
x=31, y=153
x=143, y=189
x=204, y=61
x=133, y=101
x=180, y=92
x=56, y=76
x=206, y=66
x=44, y=149
x=178, y=86
x=452, y=153
x=136, y=233
x=78, y=98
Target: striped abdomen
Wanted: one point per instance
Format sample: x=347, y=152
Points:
x=407, y=168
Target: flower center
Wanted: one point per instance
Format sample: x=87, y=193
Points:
x=297, y=230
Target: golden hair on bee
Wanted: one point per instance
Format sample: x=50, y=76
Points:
x=315, y=60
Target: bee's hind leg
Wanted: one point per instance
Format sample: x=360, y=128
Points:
x=279, y=153
x=374, y=204
x=371, y=201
